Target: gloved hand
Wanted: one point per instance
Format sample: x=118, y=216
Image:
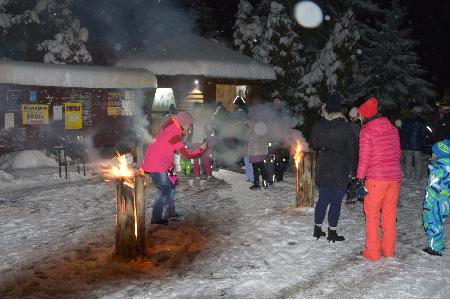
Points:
x=360, y=189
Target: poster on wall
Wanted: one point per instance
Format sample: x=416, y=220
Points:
x=114, y=104
x=73, y=118
x=113, y=111
x=57, y=112
x=34, y=114
x=127, y=107
x=13, y=99
x=33, y=96
x=9, y=120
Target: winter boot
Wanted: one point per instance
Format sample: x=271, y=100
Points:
x=333, y=236
x=255, y=186
x=265, y=184
x=432, y=252
x=318, y=233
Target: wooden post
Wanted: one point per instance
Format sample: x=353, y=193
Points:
x=305, y=180
x=130, y=222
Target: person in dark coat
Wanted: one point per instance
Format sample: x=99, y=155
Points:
x=334, y=141
x=442, y=129
x=413, y=140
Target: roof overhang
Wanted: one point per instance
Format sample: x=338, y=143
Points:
x=196, y=56
x=71, y=76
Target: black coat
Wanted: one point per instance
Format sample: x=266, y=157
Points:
x=336, y=147
x=413, y=134
x=442, y=129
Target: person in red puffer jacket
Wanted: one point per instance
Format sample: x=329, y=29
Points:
x=158, y=162
x=379, y=165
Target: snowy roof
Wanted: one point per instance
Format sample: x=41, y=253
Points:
x=194, y=55
x=27, y=73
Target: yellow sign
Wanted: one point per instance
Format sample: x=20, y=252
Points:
x=113, y=111
x=73, y=117
x=34, y=114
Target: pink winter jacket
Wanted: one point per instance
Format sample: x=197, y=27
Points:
x=159, y=154
x=379, y=151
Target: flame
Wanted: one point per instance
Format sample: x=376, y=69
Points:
x=298, y=154
x=121, y=171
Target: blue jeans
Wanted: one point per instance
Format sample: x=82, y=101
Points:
x=248, y=168
x=332, y=196
x=164, y=195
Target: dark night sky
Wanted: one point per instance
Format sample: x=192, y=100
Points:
x=430, y=21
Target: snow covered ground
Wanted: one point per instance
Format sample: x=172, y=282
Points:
x=57, y=240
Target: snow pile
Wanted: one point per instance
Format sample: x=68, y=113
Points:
x=27, y=159
x=5, y=175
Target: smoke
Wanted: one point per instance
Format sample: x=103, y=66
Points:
x=140, y=121
x=232, y=130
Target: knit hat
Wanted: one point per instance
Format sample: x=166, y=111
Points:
x=184, y=118
x=333, y=104
x=442, y=149
x=369, y=108
x=353, y=113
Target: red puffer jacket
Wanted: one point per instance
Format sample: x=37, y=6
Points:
x=379, y=151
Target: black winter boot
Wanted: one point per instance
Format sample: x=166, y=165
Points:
x=318, y=233
x=265, y=184
x=333, y=236
x=432, y=252
x=255, y=186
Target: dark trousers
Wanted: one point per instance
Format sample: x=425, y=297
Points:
x=329, y=196
x=164, y=196
x=259, y=168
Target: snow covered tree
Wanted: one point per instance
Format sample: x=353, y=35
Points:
x=280, y=47
x=333, y=64
x=389, y=67
x=248, y=30
x=202, y=13
x=67, y=46
x=29, y=27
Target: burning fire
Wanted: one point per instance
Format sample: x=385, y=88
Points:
x=298, y=154
x=121, y=171
x=124, y=172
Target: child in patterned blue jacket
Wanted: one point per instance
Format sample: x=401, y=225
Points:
x=437, y=201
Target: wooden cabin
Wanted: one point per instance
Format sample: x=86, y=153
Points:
x=193, y=69
x=40, y=104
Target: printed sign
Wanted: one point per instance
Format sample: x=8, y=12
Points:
x=13, y=99
x=34, y=114
x=57, y=112
x=73, y=115
x=130, y=95
x=114, y=111
x=9, y=120
x=33, y=96
x=127, y=107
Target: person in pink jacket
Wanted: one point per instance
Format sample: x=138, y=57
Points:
x=158, y=162
x=379, y=165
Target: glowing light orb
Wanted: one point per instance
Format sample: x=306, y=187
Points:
x=260, y=128
x=117, y=46
x=308, y=14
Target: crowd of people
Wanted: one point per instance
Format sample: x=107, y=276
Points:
x=359, y=153
x=365, y=155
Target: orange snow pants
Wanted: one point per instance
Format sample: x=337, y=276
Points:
x=381, y=200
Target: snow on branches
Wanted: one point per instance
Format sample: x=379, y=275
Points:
x=67, y=46
x=55, y=18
